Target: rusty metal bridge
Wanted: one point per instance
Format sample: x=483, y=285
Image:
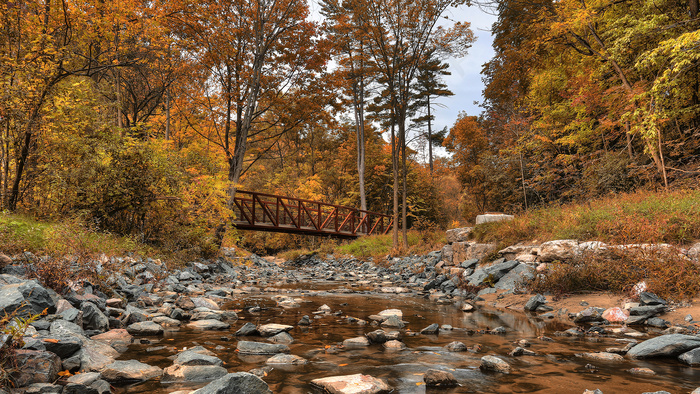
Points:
x=269, y=212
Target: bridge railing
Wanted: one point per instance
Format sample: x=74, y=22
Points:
x=269, y=212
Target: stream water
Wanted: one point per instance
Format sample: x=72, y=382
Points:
x=555, y=368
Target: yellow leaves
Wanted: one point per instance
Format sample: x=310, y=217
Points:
x=65, y=374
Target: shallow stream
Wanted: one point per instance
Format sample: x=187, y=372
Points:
x=555, y=368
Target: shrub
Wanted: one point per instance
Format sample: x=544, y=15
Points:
x=666, y=272
x=12, y=329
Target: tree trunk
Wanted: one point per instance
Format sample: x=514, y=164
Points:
x=694, y=7
x=404, y=170
x=430, y=139
x=395, y=171
x=167, y=114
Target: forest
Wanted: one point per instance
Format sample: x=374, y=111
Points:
x=143, y=118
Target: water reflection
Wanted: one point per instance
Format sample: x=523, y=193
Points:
x=555, y=369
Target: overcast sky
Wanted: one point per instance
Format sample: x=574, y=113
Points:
x=465, y=81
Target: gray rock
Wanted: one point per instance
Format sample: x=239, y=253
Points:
x=589, y=315
x=268, y=330
x=691, y=358
x=393, y=322
x=77, y=388
x=657, y=322
x=377, y=336
x=282, y=337
x=492, y=217
x=43, y=388
x=62, y=346
x=35, y=366
x=193, y=373
x=65, y=328
x=458, y=234
x=249, y=347
x=432, y=329
x=25, y=297
x=145, y=328
x=646, y=298
x=394, y=345
x=93, y=318
x=456, y=346
x=130, y=370
x=86, y=378
x=520, y=275
x=648, y=310
x=356, y=342
x=95, y=355
x=558, y=250
x=491, y=274
x=197, y=356
x=493, y=363
x=286, y=359
x=209, y=324
x=534, y=302
x=437, y=378
x=247, y=329
x=239, y=382
x=670, y=345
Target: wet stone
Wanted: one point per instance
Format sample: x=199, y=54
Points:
x=286, y=359
x=351, y=384
x=432, y=329
x=493, y=363
x=248, y=347
x=437, y=378
x=247, y=329
x=394, y=345
x=130, y=370
x=356, y=342
x=456, y=346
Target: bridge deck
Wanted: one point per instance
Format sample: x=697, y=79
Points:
x=269, y=212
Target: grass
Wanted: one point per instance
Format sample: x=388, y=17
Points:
x=641, y=217
x=19, y=233
x=379, y=246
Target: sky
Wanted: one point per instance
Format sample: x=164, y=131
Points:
x=465, y=80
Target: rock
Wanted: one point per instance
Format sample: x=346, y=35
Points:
x=691, y=358
x=641, y=371
x=657, y=322
x=456, y=346
x=35, y=366
x=268, y=330
x=596, y=391
x=377, y=336
x=394, y=345
x=282, y=337
x=462, y=251
x=468, y=307
x=209, y=324
x=589, y=315
x=646, y=298
x=145, y=328
x=247, y=329
x=249, y=347
x=491, y=274
x=458, y=234
x=519, y=351
x=130, y=370
x=534, y=302
x=304, y=321
x=437, y=378
x=286, y=359
x=351, y=384
x=43, y=388
x=492, y=217
x=193, y=373
x=25, y=297
x=647, y=310
x=95, y=355
x=119, y=339
x=516, y=278
x=602, y=356
x=694, y=252
x=356, y=342
x=197, y=356
x=616, y=315
x=670, y=345
x=493, y=363
x=432, y=329
x=93, y=318
x=559, y=250
x=393, y=321
x=86, y=378
x=391, y=312
x=62, y=346
x=165, y=321
x=65, y=328
x=239, y=382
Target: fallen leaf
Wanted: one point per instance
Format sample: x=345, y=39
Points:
x=342, y=365
x=65, y=373
x=419, y=383
x=50, y=340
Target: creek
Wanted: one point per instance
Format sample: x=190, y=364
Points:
x=554, y=369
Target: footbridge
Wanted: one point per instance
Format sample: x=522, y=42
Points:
x=269, y=212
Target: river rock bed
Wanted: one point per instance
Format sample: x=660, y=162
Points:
x=251, y=325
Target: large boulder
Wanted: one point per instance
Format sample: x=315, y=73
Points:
x=559, y=250
x=670, y=345
x=462, y=251
x=25, y=297
x=492, y=217
x=193, y=373
x=95, y=355
x=239, y=382
x=458, y=234
x=491, y=274
x=119, y=339
x=268, y=330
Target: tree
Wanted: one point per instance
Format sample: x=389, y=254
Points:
x=256, y=57
x=400, y=33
